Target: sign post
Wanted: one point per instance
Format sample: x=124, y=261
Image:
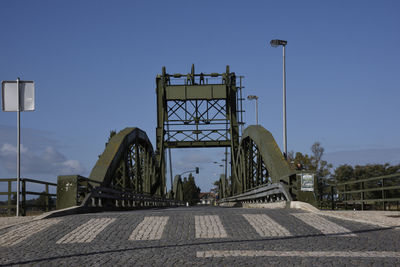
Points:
x=18, y=96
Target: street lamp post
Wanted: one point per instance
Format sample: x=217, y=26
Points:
x=252, y=97
x=283, y=43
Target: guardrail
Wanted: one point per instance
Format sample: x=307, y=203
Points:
x=261, y=192
x=48, y=205
x=371, y=191
x=76, y=190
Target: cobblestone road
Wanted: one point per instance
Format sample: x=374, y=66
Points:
x=199, y=236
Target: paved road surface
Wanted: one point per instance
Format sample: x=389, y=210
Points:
x=199, y=236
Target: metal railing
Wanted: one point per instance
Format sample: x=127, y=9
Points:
x=368, y=192
x=48, y=205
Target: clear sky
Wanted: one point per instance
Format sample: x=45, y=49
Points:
x=95, y=62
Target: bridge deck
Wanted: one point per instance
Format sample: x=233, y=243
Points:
x=199, y=235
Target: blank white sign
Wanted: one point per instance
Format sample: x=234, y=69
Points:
x=10, y=96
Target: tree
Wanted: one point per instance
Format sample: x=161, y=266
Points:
x=345, y=173
x=316, y=164
x=216, y=187
x=190, y=190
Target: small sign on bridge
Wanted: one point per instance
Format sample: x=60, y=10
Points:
x=307, y=182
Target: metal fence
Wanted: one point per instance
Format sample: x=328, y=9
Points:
x=371, y=193
x=25, y=204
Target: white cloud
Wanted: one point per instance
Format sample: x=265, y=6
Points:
x=72, y=166
x=47, y=162
x=8, y=149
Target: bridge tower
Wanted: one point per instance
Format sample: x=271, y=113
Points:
x=197, y=110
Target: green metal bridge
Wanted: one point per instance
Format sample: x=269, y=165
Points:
x=194, y=110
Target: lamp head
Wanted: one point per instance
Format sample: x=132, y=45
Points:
x=251, y=97
x=277, y=42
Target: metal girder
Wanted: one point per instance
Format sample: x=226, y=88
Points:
x=178, y=188
x=128, y=163
x=196, y=110
x=268, y=149
x=125, y=175
x=260, y=162
x=263, y=192
x=187, y=144
x=223, y=187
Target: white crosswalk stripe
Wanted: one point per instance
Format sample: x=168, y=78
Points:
x=25, y=231
x=265, y=226
x=322, y=224
x=209, y=226
x=87, y=231
x=151, y=228
x=296, y=253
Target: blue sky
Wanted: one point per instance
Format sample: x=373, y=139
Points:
x=94, y=64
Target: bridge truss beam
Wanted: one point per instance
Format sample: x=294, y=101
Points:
x=197, y=110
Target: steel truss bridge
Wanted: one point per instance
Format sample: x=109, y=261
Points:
x=193, y=110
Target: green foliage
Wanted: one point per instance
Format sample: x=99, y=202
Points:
x=190, y=190
x=346, y=173
x=316, y=164
x=216, y=187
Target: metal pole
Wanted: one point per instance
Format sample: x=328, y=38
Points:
x=257, y=111
x=284, y=106
x=170, y=160
x=18, y=145
x=170, y=168
x=226, y=161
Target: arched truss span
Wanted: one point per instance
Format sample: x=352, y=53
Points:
x=128, y=163
x=223, y=187
x=259, y=162
x=178, y=188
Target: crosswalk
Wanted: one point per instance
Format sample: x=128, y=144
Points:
x=265, y=226
x=87, y=231
x=322, y=224
x=21, y=233
x=153, y=227
x=209, y=226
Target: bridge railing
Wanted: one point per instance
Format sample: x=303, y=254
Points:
x=76, y=190
x=370, y=193
x=25, y=204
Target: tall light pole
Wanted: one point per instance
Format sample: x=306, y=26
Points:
x=283, y=43
x=252, y=97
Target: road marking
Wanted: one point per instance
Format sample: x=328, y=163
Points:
x=151, y=228
x=323, y=225
x=209, y=226
x=25, y=231
x=265, y=226
x=86, y=232
x=302, y=254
